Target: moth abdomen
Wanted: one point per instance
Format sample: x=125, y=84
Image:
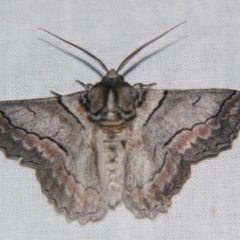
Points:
x=111, y=162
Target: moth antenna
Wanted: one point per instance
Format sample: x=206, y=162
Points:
x=78, y=47
x=129, y=57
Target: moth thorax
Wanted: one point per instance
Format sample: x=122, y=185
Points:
x=111, y=114
x=111, y=117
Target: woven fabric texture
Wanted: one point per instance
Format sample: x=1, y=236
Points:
x=203, y=53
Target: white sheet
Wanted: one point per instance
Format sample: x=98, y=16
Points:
x=204, y=53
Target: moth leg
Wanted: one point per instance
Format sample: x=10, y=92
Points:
x=87, y=87
x=141, y=85
x=142, y=88
x=56, y=94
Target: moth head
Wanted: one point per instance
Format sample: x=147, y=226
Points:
x=112, y=100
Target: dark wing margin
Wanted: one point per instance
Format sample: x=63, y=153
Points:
x=187, y=126
x=214, y=133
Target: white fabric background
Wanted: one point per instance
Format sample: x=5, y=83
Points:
x=204, y=53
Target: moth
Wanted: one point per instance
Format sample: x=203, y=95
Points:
x=116, y=142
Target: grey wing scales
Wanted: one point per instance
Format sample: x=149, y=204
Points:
x=183, y=128
x=47, y=136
